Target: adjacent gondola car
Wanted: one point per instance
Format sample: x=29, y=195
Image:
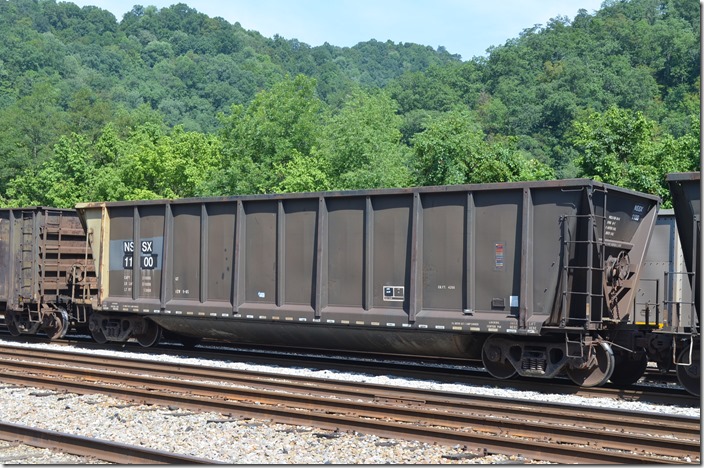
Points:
x=531, y=278
x=682, y=328
x=47, y=276
x=665, y=305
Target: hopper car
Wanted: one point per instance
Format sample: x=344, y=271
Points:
x=420, y=241
x=534, y=279
x=681, y=330
x=665, y=304
x=47, y=276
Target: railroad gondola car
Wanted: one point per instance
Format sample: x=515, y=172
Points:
x=658, y=283
x=531, y=278
x=664, y=303
x=47, y=276
x=682, y=329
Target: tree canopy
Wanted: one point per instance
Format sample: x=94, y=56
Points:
x=172, y=103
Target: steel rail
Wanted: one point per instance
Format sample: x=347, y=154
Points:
x=239, y=400
x=395, y=367
x=463, y=403
x=404, y=421
x=479, y=442
x=104, y=450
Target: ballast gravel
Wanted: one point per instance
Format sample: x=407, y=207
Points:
x=212, y=436
x=221, y=438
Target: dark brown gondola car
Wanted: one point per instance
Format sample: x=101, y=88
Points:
x=683, y=315
x=532, y=278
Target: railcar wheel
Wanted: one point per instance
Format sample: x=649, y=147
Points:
x=150, y=336
x=57, y=325
x=96, y=332
x=629, y=367
x=495, y=361
x=11, y=323
x=690, y=376
x=596, y=370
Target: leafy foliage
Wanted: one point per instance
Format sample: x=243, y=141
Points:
x=278, y=125
x=172, y=103
x=620, y=147
x=362, y=144
x=453, y=150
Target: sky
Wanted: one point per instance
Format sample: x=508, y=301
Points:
x=464, y=27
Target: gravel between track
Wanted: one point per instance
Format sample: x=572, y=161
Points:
x=250, y=441
x=210, y=435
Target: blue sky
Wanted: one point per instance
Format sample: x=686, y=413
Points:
x=465, y=27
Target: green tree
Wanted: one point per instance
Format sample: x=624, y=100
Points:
x=279, y=125
x=149, y=163
x=610, y=142
x=443, y=151
x=302, y=174
x=87, y=113
x=152, y=163
x=28, y=130
x=61, y=181
x=66, y=69
x=624, y=148
x=453, y=150
x=362, y=144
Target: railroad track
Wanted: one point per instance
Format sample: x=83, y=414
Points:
x=96, y=449
x=390, y=366
x=482, y=424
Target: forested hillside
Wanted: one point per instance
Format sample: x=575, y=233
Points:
x=172, y=103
